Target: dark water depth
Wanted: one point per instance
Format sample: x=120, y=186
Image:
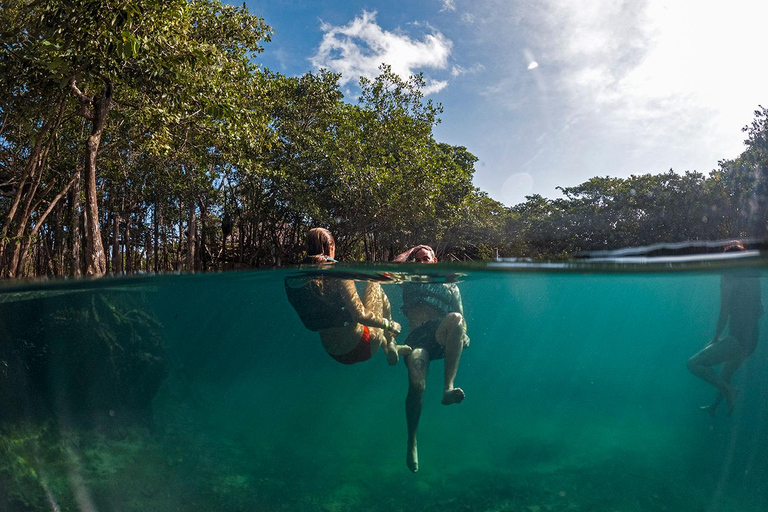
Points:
x=205, y=392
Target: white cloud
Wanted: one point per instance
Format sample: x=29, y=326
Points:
x=621, y=88
x=457, y=70
x=360, y=47
x=448, y=5
x=671, y=73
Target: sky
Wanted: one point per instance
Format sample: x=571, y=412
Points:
x=550, y=93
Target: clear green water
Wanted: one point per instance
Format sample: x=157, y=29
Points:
x=577, y=399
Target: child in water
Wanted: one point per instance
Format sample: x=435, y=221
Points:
x=437, y=331
x=351, y=329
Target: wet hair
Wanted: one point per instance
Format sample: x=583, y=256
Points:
x=410, y=254
x=320, y=243
x=734, y=246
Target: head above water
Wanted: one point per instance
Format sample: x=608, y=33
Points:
x=734, y=246
x=320, y=245
x=418, y=254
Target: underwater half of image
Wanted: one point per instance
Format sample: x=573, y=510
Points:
x=589, y=386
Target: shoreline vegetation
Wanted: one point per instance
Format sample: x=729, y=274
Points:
x=147, y=137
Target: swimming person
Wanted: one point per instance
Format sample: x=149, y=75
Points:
x=351, y=329
x=741, y=307
x=437, y=331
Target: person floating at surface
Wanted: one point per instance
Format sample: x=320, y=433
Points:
x=351, y=330
x=741, y=307
x=437, y=331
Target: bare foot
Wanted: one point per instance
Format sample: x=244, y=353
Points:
x=394, y=352
x=412, y=457
x=453, y=396
x=712, y=408
x=391, y=351
x=730, y=398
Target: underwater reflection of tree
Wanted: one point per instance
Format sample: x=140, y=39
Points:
x=80, y=358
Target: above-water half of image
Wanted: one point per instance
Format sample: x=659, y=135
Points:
x=612, y=383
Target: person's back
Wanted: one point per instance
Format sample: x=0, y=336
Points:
x=317, y=301
x=744, y=302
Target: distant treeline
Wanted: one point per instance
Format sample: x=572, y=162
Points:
x=144, y=136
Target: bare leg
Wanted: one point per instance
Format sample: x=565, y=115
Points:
x=376, y=300
x=712, y=408
x=372, y=301
x=418, y=364
x=729, y=368
x=392, y=350
x=450, y=334
x=724, y=351
x=726, y=373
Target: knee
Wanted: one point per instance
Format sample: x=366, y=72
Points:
x=454, y=321
x=417, y=387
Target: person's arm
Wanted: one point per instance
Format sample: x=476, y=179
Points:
x=358, y=312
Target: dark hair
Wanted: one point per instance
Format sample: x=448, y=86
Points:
x=409, y=255
x=320, y=243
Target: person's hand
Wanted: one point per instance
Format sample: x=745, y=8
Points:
x=465, y=340
x=394, y=327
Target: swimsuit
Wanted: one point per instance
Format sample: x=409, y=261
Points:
x=361, y=352
x=444, y=298
x=425, y=336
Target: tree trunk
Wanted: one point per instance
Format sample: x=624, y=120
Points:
x=156, y=233
x=127, y=244
x=203, y=239
x=116, y=266
x=191, y=237
x=147, y=248
x=58, y=239
x=95, y=110
x=75, y=219
x=34, y=166
x=94, y=250
x=41, y=221
x=178, y=263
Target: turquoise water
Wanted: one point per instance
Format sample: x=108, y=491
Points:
x=577, y=398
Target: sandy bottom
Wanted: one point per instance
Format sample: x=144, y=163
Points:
x=184, y=467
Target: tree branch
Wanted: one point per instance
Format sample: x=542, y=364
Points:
x=86, y=102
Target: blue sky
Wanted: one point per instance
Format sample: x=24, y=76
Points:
x=550, y=93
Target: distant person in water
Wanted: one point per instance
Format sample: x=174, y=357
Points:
x=351, y=329
x=437, y=331
x=741, y=307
